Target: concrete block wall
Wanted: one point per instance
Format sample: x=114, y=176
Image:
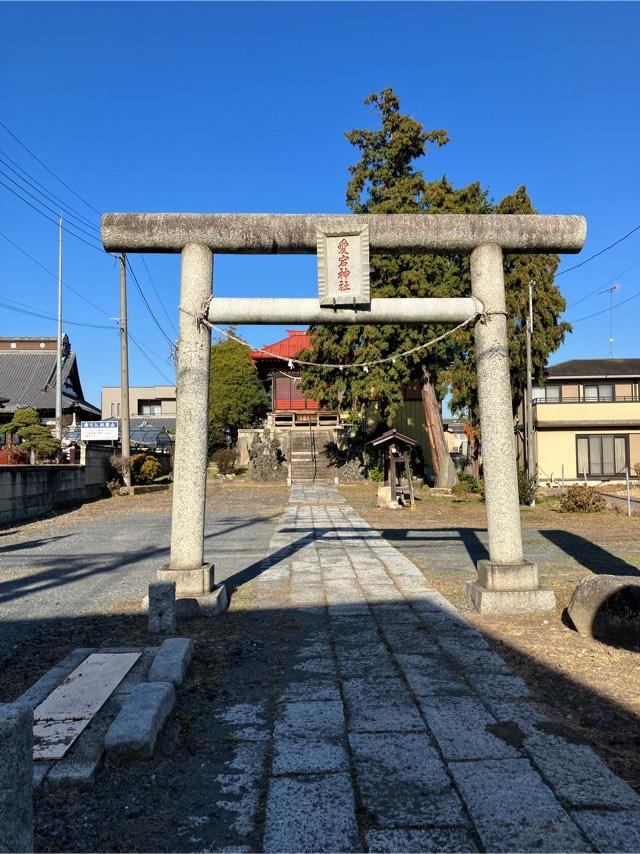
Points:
x=30, y=491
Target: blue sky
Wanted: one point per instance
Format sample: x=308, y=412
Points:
x=243, y=107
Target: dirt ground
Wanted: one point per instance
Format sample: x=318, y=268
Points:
x=592, y=689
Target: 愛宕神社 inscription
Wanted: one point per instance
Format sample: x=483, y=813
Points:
x=343, y=268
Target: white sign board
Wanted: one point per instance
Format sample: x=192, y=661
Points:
x=343, y=268
x=98, y=430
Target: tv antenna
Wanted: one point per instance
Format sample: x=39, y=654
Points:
x=615, y=287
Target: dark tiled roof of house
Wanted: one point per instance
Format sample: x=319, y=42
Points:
x=28, y=379
x=596, y=368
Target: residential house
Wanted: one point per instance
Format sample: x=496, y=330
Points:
x=28, y=380
x=152, y=406
x=587, y=420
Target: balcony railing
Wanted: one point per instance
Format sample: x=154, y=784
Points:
x=618, y=398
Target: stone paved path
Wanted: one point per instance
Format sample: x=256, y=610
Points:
x=397, y=728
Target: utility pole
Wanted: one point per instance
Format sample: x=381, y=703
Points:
x=59, y=342
x=530, y=453
x=124, y=375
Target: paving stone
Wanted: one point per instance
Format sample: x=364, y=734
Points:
x=135, y=730
x=461, y=725
x=324, y=666
x=470, y=658
x=362, y=660
x=431, y=675
x=172, y=661
x=302, y=719
x=409, y=639
x=308, y=756
x=403, y=781
x=526, y=715
x=512, y=809
x=577, y=775
x=394, y=613
x=380, y=706
x=311, y=814
x=311, y=690
x=433, y=839
x=497, y=686
x=611, y=830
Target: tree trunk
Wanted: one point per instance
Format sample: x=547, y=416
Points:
x=473, y=450
x=443, y=468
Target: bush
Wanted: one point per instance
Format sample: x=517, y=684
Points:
x=466, y=484
x=580, y=498
x=527, y=488
x=149, y=470
x=225, y=459
x=376, y=475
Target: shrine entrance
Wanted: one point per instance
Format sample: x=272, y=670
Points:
x=506, y=581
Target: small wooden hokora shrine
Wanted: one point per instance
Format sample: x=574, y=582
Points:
x=396, y=453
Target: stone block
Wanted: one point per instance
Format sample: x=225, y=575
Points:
x=171, y=661
x=134, y=732
x=311, y=814
x=308, y=756
x=162, y=606
x=299, y=720
x=16, y=778
x=402, y=780
x=441, y=839
x=607, y=607
x=610, y=830
x=512, y=809
x=508, y=601
x=464, y=729
x=494, y=576
x=577, y=775
x=190, y=582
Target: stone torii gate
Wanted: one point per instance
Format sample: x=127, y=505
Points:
x=506, y=582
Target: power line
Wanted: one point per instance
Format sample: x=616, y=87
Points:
x=146, y=302
x=610, y=282
x=601, y=252
x=44, y=204
x=21, y=308
x=605, y=310
x=54, y=275
x=55, y=222
x=153, y=364
x=50, y=171
x=37, y=185
x=166, y=314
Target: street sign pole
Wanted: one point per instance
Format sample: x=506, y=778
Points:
x=124, y=375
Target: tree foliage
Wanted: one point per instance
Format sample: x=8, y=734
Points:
x=237, y=397
x=26, y=424
x=386, y=180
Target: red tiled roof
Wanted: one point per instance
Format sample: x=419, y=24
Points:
x=289, y=347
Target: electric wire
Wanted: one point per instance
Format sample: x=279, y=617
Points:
x=146, y=302
x=153, y=364
x=69, y=211
x=45, y=205
x=605, y=310
x=50, y=171
x=55, y=276
x=162, y=305
x=21, y=308
x=600, y=287
x=65, y=226
x=601, y=252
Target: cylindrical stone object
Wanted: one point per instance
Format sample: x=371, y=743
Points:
x=496, y=414
x=16, y=778
x=308, y=311
x=190, y=462
x=296, y=233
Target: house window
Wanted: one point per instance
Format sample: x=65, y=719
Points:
x=113, y=410
x=601, y=392
x=547, y=394
x=149, y=407
x=602, y=455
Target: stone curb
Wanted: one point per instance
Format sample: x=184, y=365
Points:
x=53, y=677
x=134, y=732
x=171, y=661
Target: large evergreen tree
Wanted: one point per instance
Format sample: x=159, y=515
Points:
x=385, y=180
x=237, y=397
